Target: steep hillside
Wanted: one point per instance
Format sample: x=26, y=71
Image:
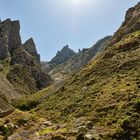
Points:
x=103, y=99
x=7, y=93
x=79, y=60
x=20, y=62
x=99, y=102
x=7, y=89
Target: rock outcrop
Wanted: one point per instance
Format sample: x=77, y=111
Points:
x=62, y=56
x=9, y=37
x=130, y=24
x=30, y=47
x=24, y=70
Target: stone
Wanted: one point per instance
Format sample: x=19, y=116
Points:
x=8, y=129
x=79, y=121
x=56, y=127
x=82, y=129
x=15, y=136
x=89, y=124
x=47, y=123
x=88, y=137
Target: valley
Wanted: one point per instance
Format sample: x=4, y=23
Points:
x=93, y=94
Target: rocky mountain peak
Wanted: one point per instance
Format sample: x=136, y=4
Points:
x=65, y=48
x=30, y=47
x=62, y=56
x=9, y=37
x=130, y=24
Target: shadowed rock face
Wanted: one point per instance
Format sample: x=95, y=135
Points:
x=9, y=37
x=20, y=56
x=24, y=71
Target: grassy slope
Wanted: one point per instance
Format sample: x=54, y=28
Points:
x=106, y=92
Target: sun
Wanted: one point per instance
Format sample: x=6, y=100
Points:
x=80, y=3
x=75, y=2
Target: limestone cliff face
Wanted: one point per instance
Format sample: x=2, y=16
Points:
x=24, y=71
x=9, y=37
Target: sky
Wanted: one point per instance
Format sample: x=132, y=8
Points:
x=56, y=23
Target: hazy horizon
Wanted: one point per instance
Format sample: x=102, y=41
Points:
x=56, y=23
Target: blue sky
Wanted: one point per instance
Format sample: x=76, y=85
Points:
x=56, y=23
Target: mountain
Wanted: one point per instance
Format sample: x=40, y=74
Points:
x=99, y=101
x=20, y=62
x=79, y=60
x=131, y=23
x=62, y=56
x=102, y=100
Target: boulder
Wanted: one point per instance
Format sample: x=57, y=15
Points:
x=8, y=129
x=89, y=124
x=88, y=137
x=47, y=123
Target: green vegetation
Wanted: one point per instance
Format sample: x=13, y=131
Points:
x=29, y=102
x=102, y=100
x=5, y=66
x=105, y=92
x=21, y=79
